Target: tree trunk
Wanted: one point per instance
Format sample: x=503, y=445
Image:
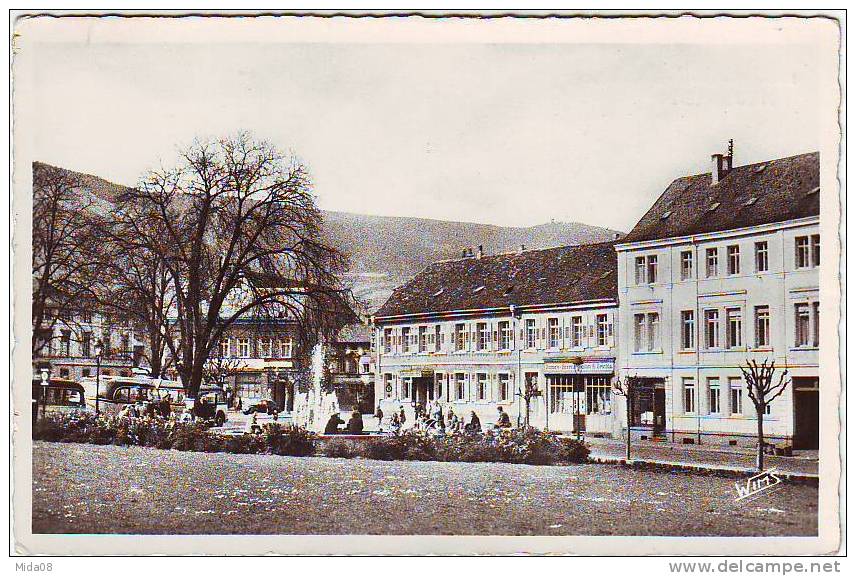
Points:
x=760, y=457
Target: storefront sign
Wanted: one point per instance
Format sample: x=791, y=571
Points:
x=587, y=366
x=417, y=373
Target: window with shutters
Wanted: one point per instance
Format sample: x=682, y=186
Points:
x=483, y=332
x=481, y=386
x=712, y=262
x=531, y=333
x=460, y=337
x=603, y=329
x=577, y=331
x=555, y=334
x=505, y=335
x=686, y=265
x=423, y=339
x=438, y=337
x=387, y=340
x=460, y=386
x=504, y=388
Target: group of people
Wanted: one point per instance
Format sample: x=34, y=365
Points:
x=152, y=409
x=433, y=419
x=354, y=425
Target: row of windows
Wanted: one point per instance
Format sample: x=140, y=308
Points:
x=480, y=337
x=806, y=255
x=460, y=386
x=728, y=334
x=265, y=348
x=718, y=401
x=62, y=346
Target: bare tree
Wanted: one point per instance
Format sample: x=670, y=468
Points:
x=763, y=388
x=137, y=287
x=530, y=392
x=64, y=247
x=626, y=388
x=236, y=227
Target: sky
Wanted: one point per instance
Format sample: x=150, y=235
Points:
x=508, y=134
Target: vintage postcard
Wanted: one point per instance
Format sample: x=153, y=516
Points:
x=424, y=284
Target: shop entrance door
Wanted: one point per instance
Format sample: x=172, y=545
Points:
x=806, y=414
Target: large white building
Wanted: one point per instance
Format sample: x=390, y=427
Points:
x=724, y=268
x=469, y=332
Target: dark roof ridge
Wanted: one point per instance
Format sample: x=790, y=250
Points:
x=527, y=251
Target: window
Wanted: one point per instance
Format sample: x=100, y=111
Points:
x=687, y=329
x=652, y=269
x=686, y=265
x=646, y=332
x=387, y=340
x=640, y=270
x=762, y=326
x=505, y=335
x=638, y=332
x=815, y=309
x=483, y=336
x=63, y=372
x=598, y=395
x=576, y=331
x=65, y=343
x=406, y=385
x=439, y=378
x=405, y=338
x=603, y=329
x=86, y=372
x=711, y=262
x=803, y=252
x=86, y=345
x=689, y=395
x=460, y=337
x=503, y=389
x=736, y=386
x=286, y=346
x=225, y=347
x=733, y=260
x=762, y=257
x=711, y=328
x=803, y=325
x=481, y=386
x=265, y=347
x=815, y=249
x=423, y=339
x=531, y=333
x=243, y=347
x=653, y=331
x=554, y=334
x=438, y=338
x=734, y=321
x=714, y=397
x=460, y=387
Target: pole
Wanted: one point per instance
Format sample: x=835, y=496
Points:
x=628, y=401
x=97, y=383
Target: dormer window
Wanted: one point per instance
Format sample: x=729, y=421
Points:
x=437, y=293
x=666, y=214
x=713, y=207
x=750, y=201
x=479, y=289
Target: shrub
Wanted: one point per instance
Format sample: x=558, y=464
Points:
x=340, y=449
x=573, y=451
x=289, y=440
x=244, y=444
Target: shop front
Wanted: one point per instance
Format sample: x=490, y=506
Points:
x=419, y=386
x=579, y=394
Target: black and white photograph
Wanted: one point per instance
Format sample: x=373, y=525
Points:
x=531, y=285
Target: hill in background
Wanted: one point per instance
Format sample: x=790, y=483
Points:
x=386, y=251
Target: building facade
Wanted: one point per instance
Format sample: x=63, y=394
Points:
x=471, y=332
x=351, y=368
x=257, y=358
x=70, y=349
x=723, y=269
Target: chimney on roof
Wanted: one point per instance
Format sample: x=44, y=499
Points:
x=522, y=248
x=720, y=164
x=464, y=253
x=481, y=251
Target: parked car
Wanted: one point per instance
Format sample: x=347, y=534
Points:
x=261, y=407
x=59, y=395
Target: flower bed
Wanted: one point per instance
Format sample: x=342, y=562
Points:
x=515, y=446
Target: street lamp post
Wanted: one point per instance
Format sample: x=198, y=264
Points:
x=98, y=350
x=45, y=375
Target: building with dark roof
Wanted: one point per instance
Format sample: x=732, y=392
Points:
x=722, y=269
x=466, y=335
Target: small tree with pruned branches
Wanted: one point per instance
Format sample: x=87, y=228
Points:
x=763, y=388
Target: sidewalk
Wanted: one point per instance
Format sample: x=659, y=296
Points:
x=713, y=458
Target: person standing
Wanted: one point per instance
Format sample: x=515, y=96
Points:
x=379, y=415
